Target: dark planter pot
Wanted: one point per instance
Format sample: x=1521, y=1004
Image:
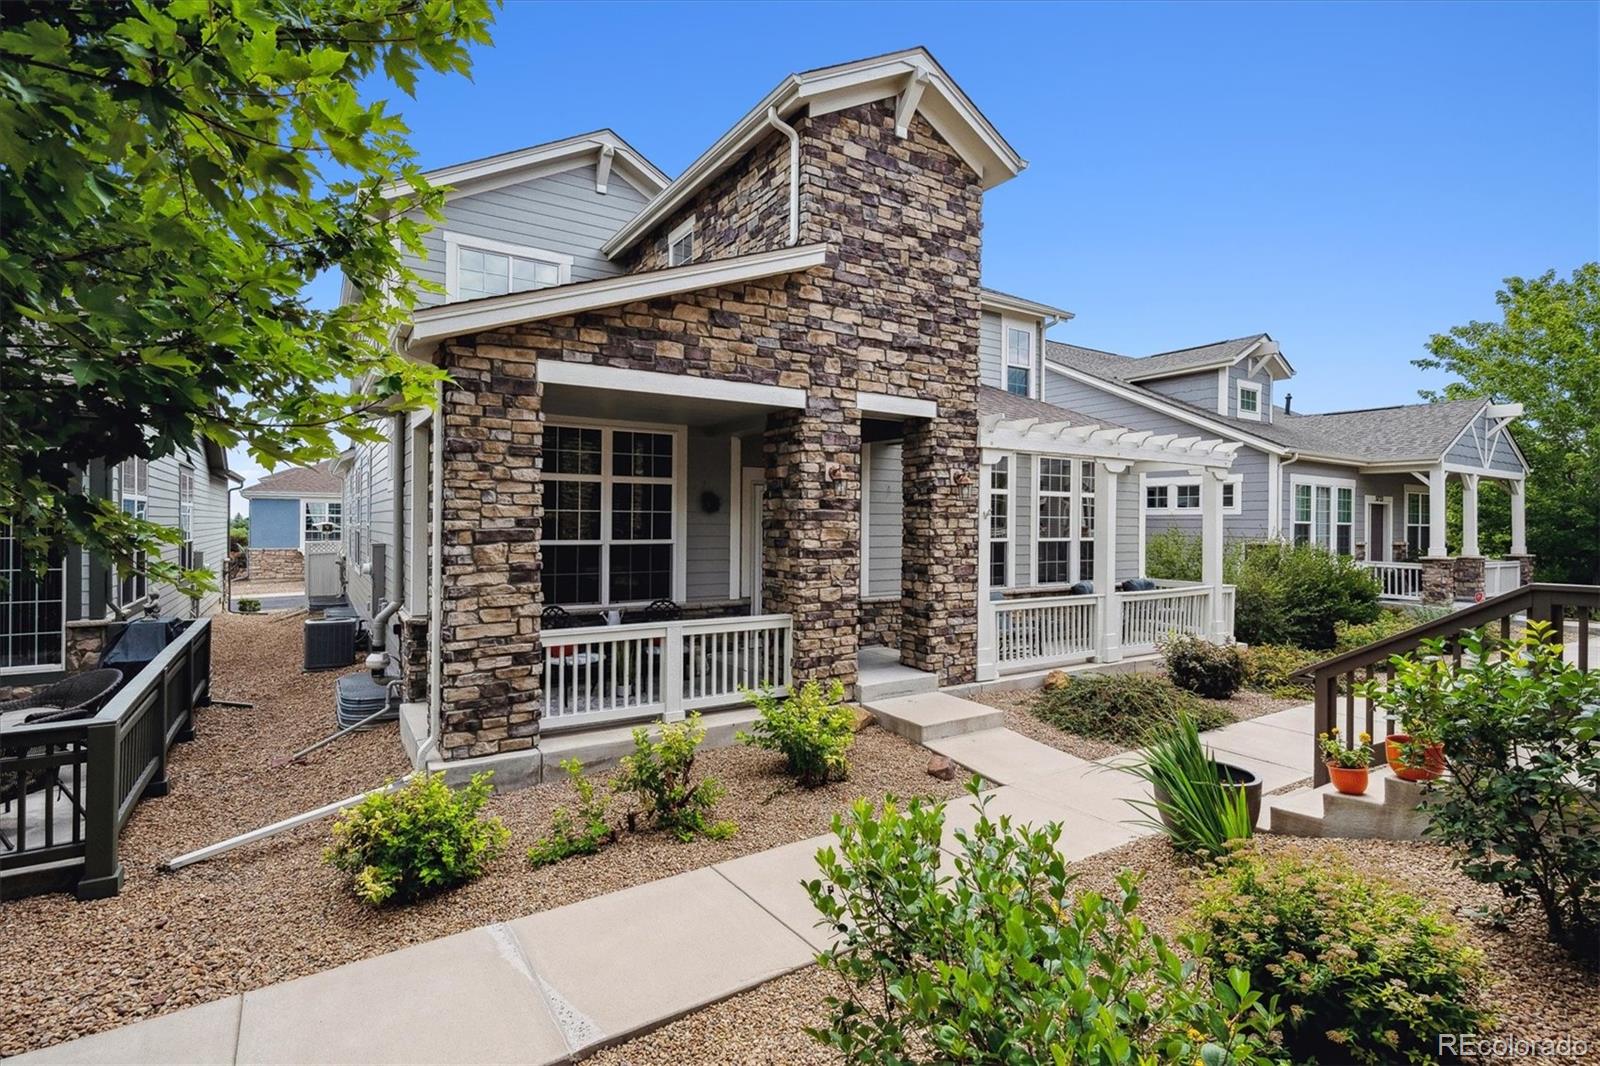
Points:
x=1231, y=777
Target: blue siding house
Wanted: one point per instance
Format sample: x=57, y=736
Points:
x=287, y=510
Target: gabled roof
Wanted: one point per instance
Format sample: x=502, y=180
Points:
x=1202, y=357
x=1008, y=422
x=912, y=75
x=603, y=147
x=318, y=480
x=995, y=300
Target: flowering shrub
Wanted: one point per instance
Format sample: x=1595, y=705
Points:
x=1365, y=972
x=1334, y=751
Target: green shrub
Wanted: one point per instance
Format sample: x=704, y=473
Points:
x=1001, y=962
x=1297, y=594
x=659, y=776
x=811, y=728
x=1196, y=665
x=420, y=839
x=1121, y=707
x=1521, y=736
x=1173, y=555
x=1349, y=636
x=583, y=834
x=248, y=605
x=1274, y=668
x=1198, y=814
x=1365, y=972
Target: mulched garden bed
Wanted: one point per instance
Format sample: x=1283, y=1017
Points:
x=273, y=911
x=1536, y=992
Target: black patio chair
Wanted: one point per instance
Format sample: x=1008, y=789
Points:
x=662, y=611
x=77, y=696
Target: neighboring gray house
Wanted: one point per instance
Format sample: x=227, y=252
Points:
x=1366, y=483
x=57, y=624
x=290, y=509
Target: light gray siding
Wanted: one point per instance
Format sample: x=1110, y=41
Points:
x=1023, y=522
x=1241, y=372
x=706, y=576
x=1375, y=487
x=1251, y=467
x=369, y=520
x=1127, y=527
x=1305, y=469
x=885, y=518
x=990, y=359
x=1478, y=444
x=209, y=533
x=559, y=213
x=1199, y=389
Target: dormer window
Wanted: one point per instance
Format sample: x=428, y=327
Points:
x=479, y=267
x=1249, y=400
x=680, y=243
x=1019, y=360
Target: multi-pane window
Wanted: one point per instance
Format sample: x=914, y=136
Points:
x=186, y=513
x=1302, y=514
x=1186, y=497
x=1324, y=515
x=481, y=272
x=1085, y=521
x=1000, y=523
x=323, y=520
x=133, y=497
x=1019, y=361
x=1249, y=401
x=357, y=543
x=1343, y=520
x=680, y=243
x=1230, y=495
x=609, y=519
x=32, y=609
x=1156, y=497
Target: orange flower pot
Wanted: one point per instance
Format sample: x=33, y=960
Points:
x=1351, y=780
x=1432, y=759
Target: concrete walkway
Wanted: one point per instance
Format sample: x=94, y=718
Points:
x=549, y=987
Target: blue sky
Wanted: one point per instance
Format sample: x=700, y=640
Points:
x=1347, y=177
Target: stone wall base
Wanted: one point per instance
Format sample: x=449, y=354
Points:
x=1469, y=577
x=414, y=659
x=880, y=622
x=1527, y=562
x=85, y=641
x=1438, y=580
x=275, y=564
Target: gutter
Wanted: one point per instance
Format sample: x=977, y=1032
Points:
x=774, y=122
x=429, y=748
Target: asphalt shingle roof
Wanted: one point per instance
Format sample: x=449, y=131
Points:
x=992, y=401
x=319, y=480
x=1417, y=432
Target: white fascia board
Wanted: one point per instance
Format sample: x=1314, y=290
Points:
x=1483, y=471
x=879, y=403
x=945, y=106
x=433, y=324
x=480, y=174
x=1505, y=410
x=657, y=383
x=1002, y=439
x=251, y=494
x=1002, y=303
x=1145, y=400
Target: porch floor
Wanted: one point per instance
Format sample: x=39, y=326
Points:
x=880, y=675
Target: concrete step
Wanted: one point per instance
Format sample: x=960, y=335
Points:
x=1388, y=811
x=882, y=678
x=932, y=715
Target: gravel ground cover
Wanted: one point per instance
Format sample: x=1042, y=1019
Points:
x=1016, y=704
x=1535, y=991
x=272, y=911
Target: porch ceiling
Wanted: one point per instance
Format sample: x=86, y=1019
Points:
x=588, y=390
x=576, y=401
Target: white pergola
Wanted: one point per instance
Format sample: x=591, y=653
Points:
x=1116, y=452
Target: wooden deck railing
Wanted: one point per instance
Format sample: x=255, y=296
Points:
x=95, y=771
x=1336, y=679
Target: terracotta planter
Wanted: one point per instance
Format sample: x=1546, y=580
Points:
x=1432, y=759
x=1351, y=780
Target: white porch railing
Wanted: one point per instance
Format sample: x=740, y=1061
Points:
x=1152, y=616
x=1400, y=581
x=1501, y=576
x=1030, y=634
x=596, y=674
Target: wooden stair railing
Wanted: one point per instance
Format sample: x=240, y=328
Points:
x=1339, y=676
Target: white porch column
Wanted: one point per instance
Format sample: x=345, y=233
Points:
x=988, y=667
x=1519, y=516
x=1211, y=547
x=1436, y=519
x=1108, y=648
x=1469, y=515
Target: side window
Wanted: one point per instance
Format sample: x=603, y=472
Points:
x=680, y=243
x=1249, y=400
x=479, y=267
x=1019, y=361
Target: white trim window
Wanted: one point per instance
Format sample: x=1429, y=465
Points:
x=1416, y=523
x=359, y=526
x=1248, y=401
x=186, y=515
x=1324, y=513
x=610, y=529
x=1000, y=523
x=33, y=610
x=1182, y=495
x=133, y=498
x=323, y=520
x=680, y=243
x=1019, y=359
x=1063, y=551
x=476, y=267
x=1086, y=520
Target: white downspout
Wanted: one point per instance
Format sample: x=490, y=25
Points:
x=430, y=744
x=794, y=172
x=1279, y=489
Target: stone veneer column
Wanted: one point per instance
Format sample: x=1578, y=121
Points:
x=811, y=536
x=1527, y=562
x=939, y=547
x=493, y=425
x=1438, y=580
x=1469, y=577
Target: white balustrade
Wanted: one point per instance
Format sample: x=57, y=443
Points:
x=596, y=674
x=1152, y=616
x=1400, y=581
x=1501, y=576
x=1051, y=631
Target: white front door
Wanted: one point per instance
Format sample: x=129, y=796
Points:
x=755, y=488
